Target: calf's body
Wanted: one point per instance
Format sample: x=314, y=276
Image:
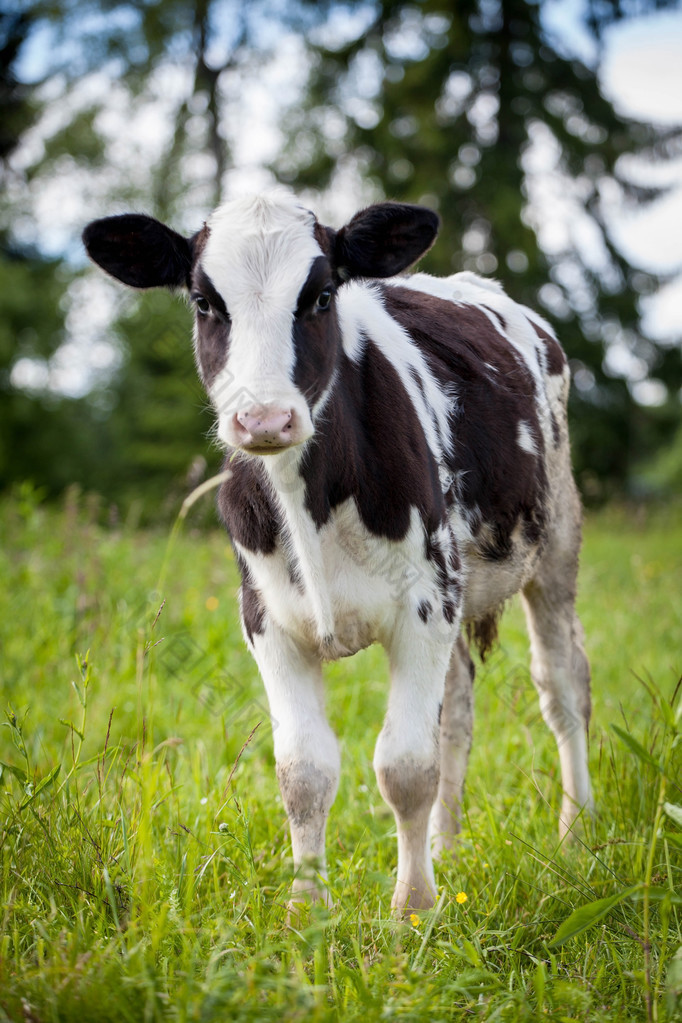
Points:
x=400, y=467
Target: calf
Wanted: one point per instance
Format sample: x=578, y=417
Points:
x=400, y=467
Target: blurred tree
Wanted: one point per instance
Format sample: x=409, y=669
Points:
x=471, y=108
x=130, y=106
x=37, y=427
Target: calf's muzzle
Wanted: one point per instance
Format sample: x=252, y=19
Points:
x=264, y=428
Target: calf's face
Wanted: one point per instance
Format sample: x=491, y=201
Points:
x=263, y=277
x=266, y=332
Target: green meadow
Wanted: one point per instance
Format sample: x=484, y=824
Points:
x=144, y=852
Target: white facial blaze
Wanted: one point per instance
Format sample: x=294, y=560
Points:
x=258, y=256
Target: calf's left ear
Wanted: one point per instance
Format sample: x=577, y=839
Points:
x=384, y=240
x=139, y=251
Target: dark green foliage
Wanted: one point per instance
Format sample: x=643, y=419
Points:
x=37, y=429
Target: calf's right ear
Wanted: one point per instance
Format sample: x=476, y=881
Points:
x=139, y=251
x=384, y=240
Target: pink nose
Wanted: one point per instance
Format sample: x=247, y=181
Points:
x=264, y=427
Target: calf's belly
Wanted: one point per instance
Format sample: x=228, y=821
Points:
x=490, y=583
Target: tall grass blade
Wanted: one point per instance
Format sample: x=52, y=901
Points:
x=636, y=747
x=587, y=915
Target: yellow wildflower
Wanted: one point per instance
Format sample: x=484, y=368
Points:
x=212, y=603
x=461, y=897
x=414, y=919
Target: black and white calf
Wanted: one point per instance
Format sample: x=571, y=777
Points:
x=402, y=468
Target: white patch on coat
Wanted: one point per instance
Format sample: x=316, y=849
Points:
x=355, y=585
x=556, y=384
x=461, y=287
x=306, y=542
x=321, y=403
x=525, y=439
x=354, y=304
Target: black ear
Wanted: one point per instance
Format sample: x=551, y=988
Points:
x=139, y=251
x=384, y=239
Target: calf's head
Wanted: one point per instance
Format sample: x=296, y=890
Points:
x=263, y=276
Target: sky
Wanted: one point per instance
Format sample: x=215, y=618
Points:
x=640, y=71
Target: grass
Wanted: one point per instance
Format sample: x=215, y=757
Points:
x=145, y=861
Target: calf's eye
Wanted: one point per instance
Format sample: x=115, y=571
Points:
x=324, y=299
x=203, y=305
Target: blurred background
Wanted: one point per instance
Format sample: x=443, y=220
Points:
x=547, y=134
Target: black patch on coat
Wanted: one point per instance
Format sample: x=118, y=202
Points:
x=496, y=479
x=370, y=445
x=319, y=277
x=201, y=284
x=252, y=606
x=294, y=573
x=555, y=359
x=424, y=610
x=498, y=316
x=556, y=431
x=447, y=568
x=449, y=611
x=247, y=507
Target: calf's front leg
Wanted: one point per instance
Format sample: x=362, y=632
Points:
x=306, y=751
x=406, y=758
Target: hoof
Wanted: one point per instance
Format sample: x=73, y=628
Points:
x=572, y=819
x=407, y=898
x=304, y=896
x=444, y=844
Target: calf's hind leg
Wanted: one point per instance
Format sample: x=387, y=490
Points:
x=456, y=727
x=559, y=667
x=406, y=758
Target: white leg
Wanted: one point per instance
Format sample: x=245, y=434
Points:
x=456, y=727
x=306, y=750
x=406, y=759
x=559, y=666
